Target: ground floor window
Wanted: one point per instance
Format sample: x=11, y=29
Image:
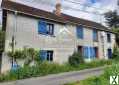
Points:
x=96, y=52
x=80, y=50
x=88, y=52
x=109, y=52
x=46, y=55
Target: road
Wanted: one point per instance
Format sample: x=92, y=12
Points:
x=59, y=79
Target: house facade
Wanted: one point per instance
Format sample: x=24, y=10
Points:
x=57, y=36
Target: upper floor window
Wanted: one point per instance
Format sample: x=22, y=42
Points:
x=79, y=32
x=108, y=37
x=95, y=35
x=45, y=28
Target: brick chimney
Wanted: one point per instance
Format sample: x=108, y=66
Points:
x=58, y=8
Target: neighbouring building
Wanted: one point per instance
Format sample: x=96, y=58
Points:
x=55, y=34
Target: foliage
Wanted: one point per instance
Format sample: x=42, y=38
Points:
x=28, y=54
x=103, y=79
x=113, y=22
x=112, y=19
x=115, y=54
x=2, y=37
x=76, y=59
x=116, y=30
x=46, y=68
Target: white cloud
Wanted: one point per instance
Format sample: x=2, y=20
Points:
x=48, y=5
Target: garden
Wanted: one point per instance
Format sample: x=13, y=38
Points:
x=33, y=66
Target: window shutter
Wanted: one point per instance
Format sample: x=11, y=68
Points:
x=80, y=32
x=43, y=55
x=94, y=34
x=42, y=27
x=85, y=52
x=109, y=53
x=92, y=52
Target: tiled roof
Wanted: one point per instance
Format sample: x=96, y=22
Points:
x=35, y=12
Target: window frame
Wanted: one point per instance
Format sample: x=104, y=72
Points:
x=48, y=56
x=49, y=29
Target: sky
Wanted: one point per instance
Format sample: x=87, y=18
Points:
x=86, y=9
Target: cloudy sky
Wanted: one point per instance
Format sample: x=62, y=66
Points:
x=87, y=9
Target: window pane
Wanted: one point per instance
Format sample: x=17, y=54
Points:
x=108, y=37
x=50, y=29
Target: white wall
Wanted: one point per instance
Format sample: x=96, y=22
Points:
x=63, y=44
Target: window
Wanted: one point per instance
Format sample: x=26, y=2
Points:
x=45, y=28
x=109, y=53
x=90, y=52
x=96, y=52
x=79, y=31
x=50, y=29
x=85, y=52
x=108, y=37
x=95, y=35
x=80, y=49
x=46, y=55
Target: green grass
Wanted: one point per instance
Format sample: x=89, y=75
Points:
x=103, y=79
x=49, y=68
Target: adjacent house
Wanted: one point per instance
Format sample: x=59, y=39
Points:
x=56, y=35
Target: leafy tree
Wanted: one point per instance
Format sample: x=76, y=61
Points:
x=112, y=19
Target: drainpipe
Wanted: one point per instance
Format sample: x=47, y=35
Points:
x=14, y=36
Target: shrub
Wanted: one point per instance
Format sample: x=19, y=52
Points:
x=46, y=68
x=76, y=59
x=115, y=54
x=28, y=54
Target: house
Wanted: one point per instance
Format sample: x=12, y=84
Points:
x=55, y=34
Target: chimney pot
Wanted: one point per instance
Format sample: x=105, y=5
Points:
x=58, y=9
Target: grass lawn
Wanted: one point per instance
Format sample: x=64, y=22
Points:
x=103, y=79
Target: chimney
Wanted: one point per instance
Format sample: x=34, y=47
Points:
x=58, y=8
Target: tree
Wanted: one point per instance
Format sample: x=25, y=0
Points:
x=112, y=19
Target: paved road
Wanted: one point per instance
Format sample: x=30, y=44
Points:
x=59, y=79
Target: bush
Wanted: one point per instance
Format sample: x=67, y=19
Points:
x=115, y=54
x=46, y=68
x=28, y=54
x=76, y=59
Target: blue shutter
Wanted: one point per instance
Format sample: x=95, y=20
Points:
x=92, y=51
x=80, y=32
x=85, y=52
x=109, y=53
x=94, y=34
x=43, y=55
x=42, y=27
